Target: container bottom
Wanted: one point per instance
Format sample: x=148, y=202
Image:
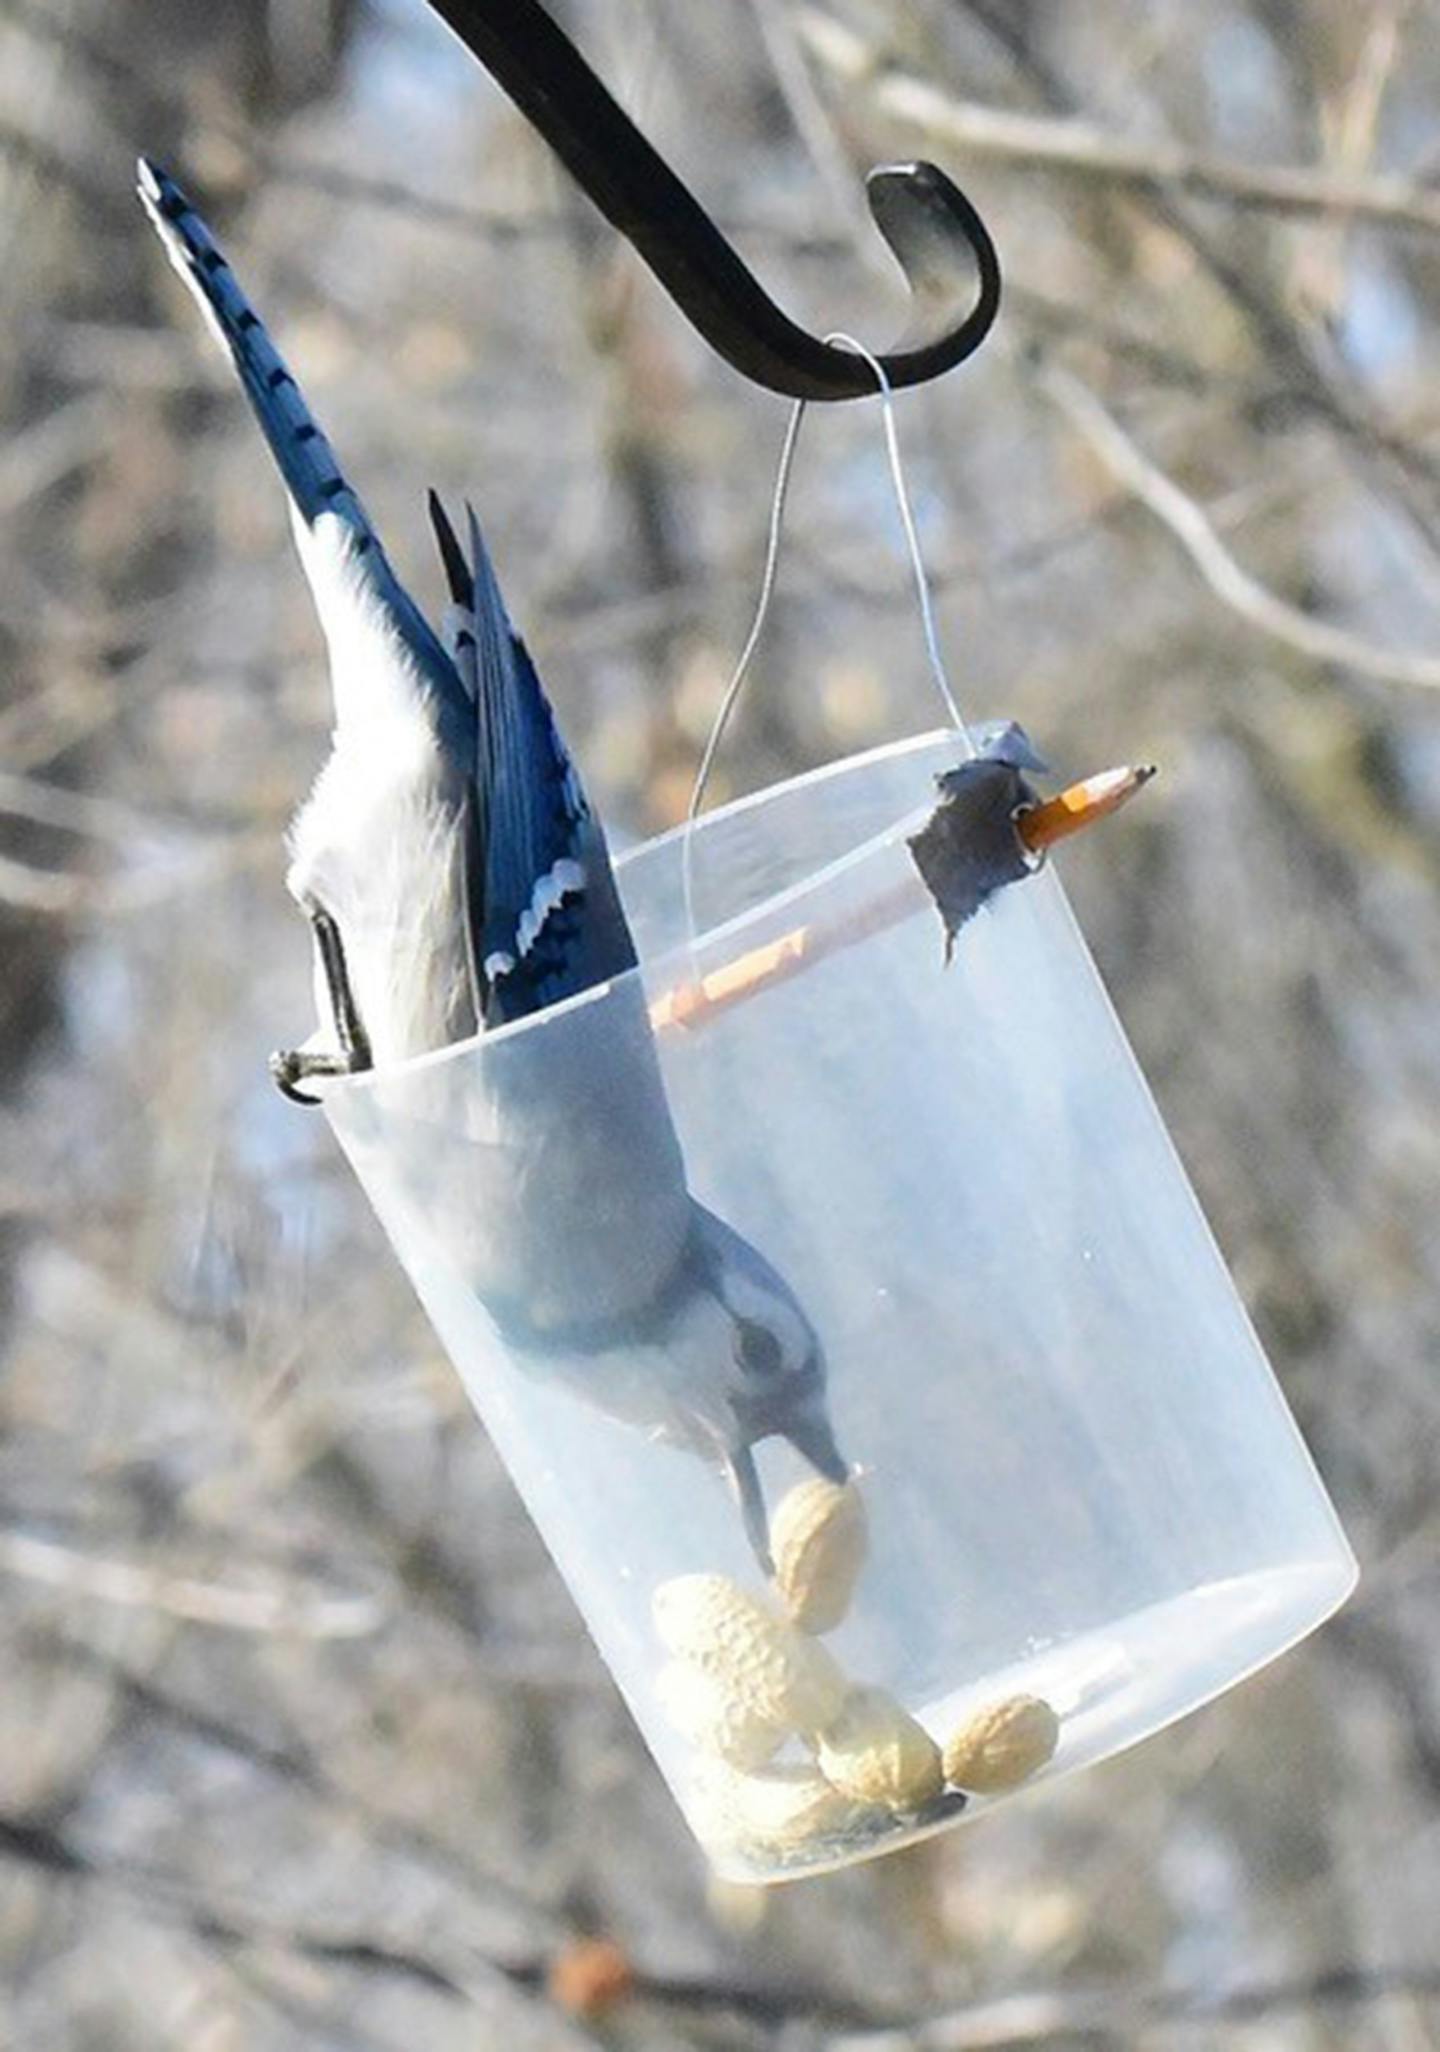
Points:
x=1110, y=1688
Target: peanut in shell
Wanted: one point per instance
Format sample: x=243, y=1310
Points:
x=769, y=1670
x=876, y=1752
x=777, y=1810
x=710, y=1717
x=1003, y=1745
x=818, y=1538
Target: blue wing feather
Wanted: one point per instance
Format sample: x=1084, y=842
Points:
x=551, y=923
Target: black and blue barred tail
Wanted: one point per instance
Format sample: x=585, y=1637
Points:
x=306, y=460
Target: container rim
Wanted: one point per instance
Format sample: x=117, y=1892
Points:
x=328, y=1087
x=843, y=765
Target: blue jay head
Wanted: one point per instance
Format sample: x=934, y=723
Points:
x=775, y=1367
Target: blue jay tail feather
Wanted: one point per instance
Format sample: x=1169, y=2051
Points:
x=307, y=462
x=346, y=564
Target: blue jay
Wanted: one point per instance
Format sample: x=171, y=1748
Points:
x=456, y=879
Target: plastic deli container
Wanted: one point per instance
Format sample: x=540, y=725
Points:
x=942, y=1224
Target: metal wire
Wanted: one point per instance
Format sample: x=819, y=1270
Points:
x=767, y=588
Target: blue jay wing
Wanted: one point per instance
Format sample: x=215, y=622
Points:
x=354, y=585
x=550, y=918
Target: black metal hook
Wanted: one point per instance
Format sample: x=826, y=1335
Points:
x=939, y=239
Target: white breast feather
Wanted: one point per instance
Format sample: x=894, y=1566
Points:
x=378, y=843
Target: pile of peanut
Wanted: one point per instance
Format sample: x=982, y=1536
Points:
x=747, y=1678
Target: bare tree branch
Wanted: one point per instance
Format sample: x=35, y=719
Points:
x=1404, y=471
x=1234, y=586
x=80, y=812
x=1014, y=2021
x=61, y=894
x=289, y=1609
x=1088, y=151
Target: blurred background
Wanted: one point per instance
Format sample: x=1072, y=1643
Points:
x=301, y=1743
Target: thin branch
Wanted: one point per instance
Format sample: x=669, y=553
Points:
x=288, y=1609
x=61, y=894
x=52, y=449
x=1014, y=2021
x=1089, y=151
x=81, y=812
x=815, y=125
x=460, y=1966
x=1404, y=471
x=1233, y=586
x=50, y=168
x=27, y=889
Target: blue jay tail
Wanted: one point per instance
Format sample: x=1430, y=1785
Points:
x=303, y=454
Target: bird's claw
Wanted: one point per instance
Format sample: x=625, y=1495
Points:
x=290, y=1066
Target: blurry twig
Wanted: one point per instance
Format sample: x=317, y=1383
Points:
x=814, y=123
x=78, y=812
x=62, y=442
x=1349, y=126
x=292, y=1609
x=176, y=861
x=49, y=167
x=462, y=1968
x=1101, y=2014
x=1400, y=466
x=61, y=894
x=1088, y=151
x=1234, y=586
x=435, y=210
x=493, y=224
x=50, y=891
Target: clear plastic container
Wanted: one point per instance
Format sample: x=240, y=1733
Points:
x=1081, y=1483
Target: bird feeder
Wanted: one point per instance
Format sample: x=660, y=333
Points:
x=1079, y=1505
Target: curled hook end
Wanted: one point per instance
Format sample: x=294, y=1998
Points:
x=941, y=244
x=938, y=237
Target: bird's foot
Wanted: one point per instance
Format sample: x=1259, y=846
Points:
x=289, y=1067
